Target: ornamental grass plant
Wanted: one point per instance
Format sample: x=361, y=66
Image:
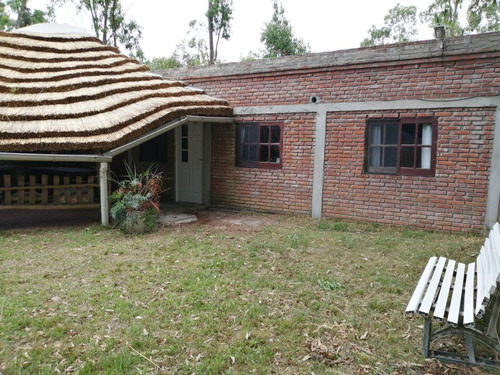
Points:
x=135, y=203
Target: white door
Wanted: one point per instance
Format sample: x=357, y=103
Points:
x=189, y=156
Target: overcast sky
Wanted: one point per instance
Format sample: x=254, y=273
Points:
x=326, y=25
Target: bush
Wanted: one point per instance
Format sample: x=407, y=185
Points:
x=135, y=204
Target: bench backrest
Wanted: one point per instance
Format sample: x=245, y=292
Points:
x=488, y=270
x=448, y=289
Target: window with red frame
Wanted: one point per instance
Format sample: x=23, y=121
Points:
x=259, y=144
x=405, y=146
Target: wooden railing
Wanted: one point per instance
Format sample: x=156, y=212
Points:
x=37, y=191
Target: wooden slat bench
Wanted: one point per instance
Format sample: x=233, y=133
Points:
x=460, y=295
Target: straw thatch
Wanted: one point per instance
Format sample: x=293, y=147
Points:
x=69, y=92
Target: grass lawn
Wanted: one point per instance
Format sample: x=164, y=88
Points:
x=263, y=294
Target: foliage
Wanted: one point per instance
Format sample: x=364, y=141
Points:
x=159, y=63
x=400, y=23
x=15, y=14
x=137, y=198
x=483, y=16
x=330, y=285
x=399, y=27
x=233, y=299
x=479, y=15
x=109, y=24
x=219, y=16
x=250, y=56
x=278, y=36
x=192, y=51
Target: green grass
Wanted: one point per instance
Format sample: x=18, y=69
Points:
x=293, y=296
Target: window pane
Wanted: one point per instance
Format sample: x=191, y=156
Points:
x=425, y=158
x=184, y=156
x=408, y=133
x=244, y=153
x=275, y=134
x=391, y=134
x=390, y=156
x=264, y=134
x=419, y=158
x=407, y=157
x=376, y=134
x=427, y=134
x=184, y=142
x=252, y=153
x=252, y=134
x=184, y=130
x=376, y=156
x=275, y=154
x=244, y=134
x=264, y=153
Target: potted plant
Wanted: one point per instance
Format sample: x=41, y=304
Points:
x=135, y=203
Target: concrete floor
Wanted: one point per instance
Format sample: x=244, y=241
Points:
x=172, y=213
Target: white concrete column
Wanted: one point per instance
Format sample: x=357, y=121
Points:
x=103, y=184
x=319, y=165
x=493, y=201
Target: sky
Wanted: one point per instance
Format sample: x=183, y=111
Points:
x=326, y=25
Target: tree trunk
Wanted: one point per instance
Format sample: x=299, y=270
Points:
x=211, y=34
x=21, y=15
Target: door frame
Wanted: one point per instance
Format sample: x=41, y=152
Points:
x=206, y=177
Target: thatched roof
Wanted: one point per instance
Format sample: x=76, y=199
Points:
x=68, y=91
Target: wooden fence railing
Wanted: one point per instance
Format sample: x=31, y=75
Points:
x=37, y=191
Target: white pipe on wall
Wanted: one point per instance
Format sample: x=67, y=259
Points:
x=103, y=184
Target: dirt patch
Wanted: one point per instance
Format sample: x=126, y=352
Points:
x=39, y=219
x=243, y=221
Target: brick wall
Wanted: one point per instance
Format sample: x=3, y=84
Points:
x=273, y=190
x=454, y=199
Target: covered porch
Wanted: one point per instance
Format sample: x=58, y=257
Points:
x=72, y=109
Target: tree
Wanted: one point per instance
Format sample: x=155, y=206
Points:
x=484, y=16
x=399, y=27
x=219, y=16
x=159, y=63
x=444, y=12
x=480, y=16
x=15, y=14
x=193, y=51
x=278, y=36
x=109, y=24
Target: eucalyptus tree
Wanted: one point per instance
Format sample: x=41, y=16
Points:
x=459, y=17
x=479, y=15
x=278, y=37
x=110, y=24
x=15, y=14
x=400, y=26
x=219, y=15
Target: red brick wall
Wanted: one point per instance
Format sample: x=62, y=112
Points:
x=416, y=80
x=454, y=199
x=274, y=190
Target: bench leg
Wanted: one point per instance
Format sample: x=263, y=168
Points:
x=493, y=323
x=427, y=338
x=470, y=349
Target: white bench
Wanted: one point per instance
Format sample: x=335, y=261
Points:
x=461, y=294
